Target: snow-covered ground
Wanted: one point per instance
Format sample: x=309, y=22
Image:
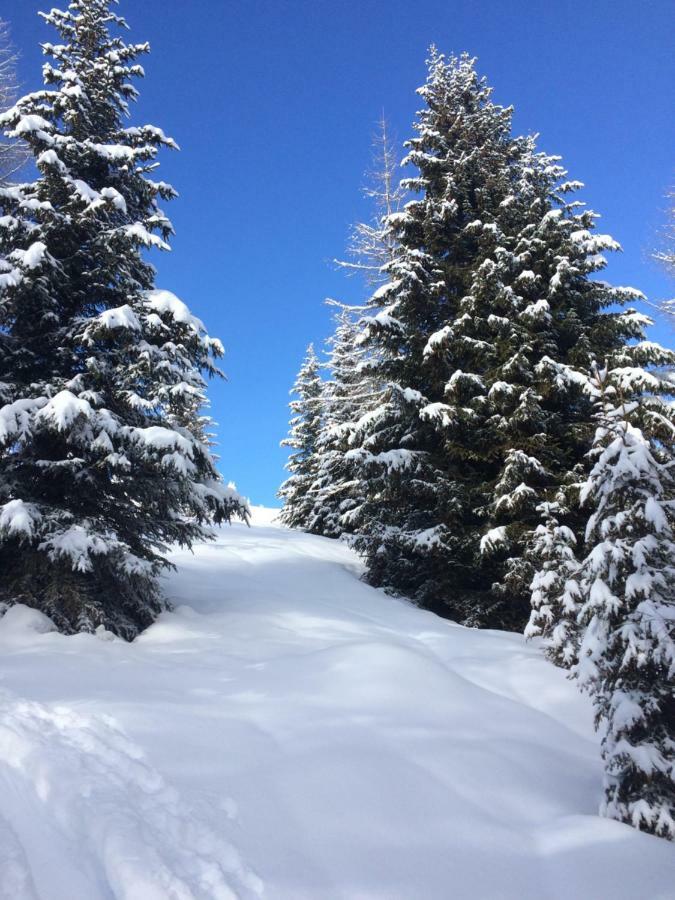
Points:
x=290, y=733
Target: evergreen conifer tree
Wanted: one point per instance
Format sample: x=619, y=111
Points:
x=489, y=309
x=104, y=461
x=351, y=392
x=555, y=588
x=298, y=492
x=627, y=654
x=347, y=395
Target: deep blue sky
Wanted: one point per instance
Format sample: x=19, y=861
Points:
x=274, y=103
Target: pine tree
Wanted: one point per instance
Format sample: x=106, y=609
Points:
x=298, y=491
x=627, y=654
x=489, y=310
x=350, y=392
x=347, y=394
x=103, y=457
x=555, y=587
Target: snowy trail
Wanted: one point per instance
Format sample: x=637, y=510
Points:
x=291, y=733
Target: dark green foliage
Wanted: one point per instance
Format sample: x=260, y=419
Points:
x=489, y=303
x=298, y=492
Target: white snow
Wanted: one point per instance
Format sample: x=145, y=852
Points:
x=31, y=124
x=539, y=310
x=32, y=257
x=156, y=437
x=437, y=340
x=77, y=544
x=493, y=539
x=527, y=275
x=439, y=412
x=121, y=317
x=86, y=193
x=393, y=460
x=114, y=197
x=63, y=409
x=51, y=158
x=166, y=303
x=17, y=517
x=292, y=733
x=9, y=279
x=96, y=199
x=384, y=290
x=655, y=514
x=411, y=396
x=15, y=418
x=460, y=378
x=139, y=232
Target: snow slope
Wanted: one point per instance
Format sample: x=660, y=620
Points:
x=290, y=733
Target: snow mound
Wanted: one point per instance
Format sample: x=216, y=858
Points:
x=347, y=744
x=21, y=621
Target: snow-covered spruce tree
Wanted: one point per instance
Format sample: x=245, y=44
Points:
x=555, y=588
x=347, y=393
x=103, y=457
x=488, y=308
x=298, y=491
x=627, y=654
x=351, y=392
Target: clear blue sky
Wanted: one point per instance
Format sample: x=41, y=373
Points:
x=274, y=102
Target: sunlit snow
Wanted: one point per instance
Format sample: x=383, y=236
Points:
x=289, y=732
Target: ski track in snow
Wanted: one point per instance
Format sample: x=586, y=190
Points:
x=348, y=745
x=75, y=784
x=16, y=882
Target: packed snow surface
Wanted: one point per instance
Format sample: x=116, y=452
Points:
x=290, y=733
